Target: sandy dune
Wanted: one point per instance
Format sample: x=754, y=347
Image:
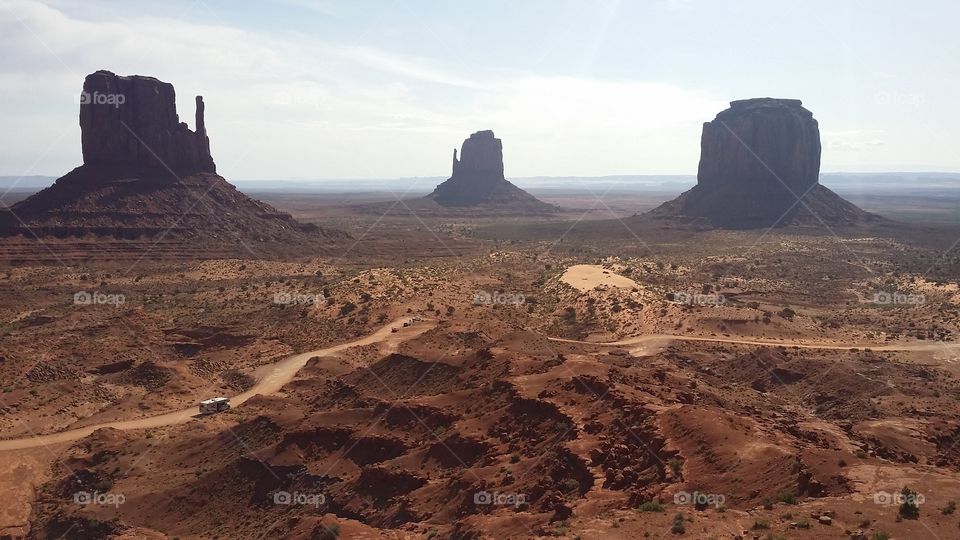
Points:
x=586, y=277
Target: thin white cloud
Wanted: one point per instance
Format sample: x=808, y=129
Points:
x=293, y=105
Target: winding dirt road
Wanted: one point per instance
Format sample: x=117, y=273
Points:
x=647, y=338
x=279, y=374
x=273, y=379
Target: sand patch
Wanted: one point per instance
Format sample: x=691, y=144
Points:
x=586, y=277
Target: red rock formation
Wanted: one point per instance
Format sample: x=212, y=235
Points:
x=146, y=174
x=760, y=167
x=481, y=155
x=130, y=124
x=478, y=179
x=761, y=145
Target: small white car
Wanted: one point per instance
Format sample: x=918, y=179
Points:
x=214, y=405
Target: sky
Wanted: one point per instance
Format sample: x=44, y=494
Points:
x=300, y=89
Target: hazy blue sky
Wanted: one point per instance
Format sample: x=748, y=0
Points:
x=343, y=89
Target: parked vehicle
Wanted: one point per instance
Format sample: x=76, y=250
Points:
x=214, y=405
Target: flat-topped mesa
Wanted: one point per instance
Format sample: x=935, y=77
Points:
x=761, y=144
x=481, y=154
x=760, y=167
x=129, y=125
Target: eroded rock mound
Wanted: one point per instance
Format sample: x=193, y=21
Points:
x=478, y=179
x=760, y=167
x=147, y=175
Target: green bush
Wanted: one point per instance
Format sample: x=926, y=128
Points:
x=908, y=508
x=650, y=506
x=678, y=526
x=787, y=497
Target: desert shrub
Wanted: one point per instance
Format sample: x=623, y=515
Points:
x=675, y=466
x=908, y=508
x=569, y=485
x=787, y=497
x=650, y=506
x=678, y=526
x=326, y=532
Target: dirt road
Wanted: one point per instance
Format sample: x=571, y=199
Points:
x=272, y=380
x=925, y=346
x=279, y=374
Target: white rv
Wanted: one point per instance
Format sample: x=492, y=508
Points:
x=215, y=405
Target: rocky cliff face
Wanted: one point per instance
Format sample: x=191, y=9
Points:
x=763, y=144
x=130, y=125
x=481, y=155
x=478, y=179
x=146, y=174
x=760, y=167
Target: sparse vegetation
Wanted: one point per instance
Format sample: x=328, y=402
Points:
x=650, y=506
x=787, y=497
x=909, y=507
x=678, y=526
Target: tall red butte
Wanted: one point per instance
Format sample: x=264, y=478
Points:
x=146, y=174
x=477, y=180
x=760, y=167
